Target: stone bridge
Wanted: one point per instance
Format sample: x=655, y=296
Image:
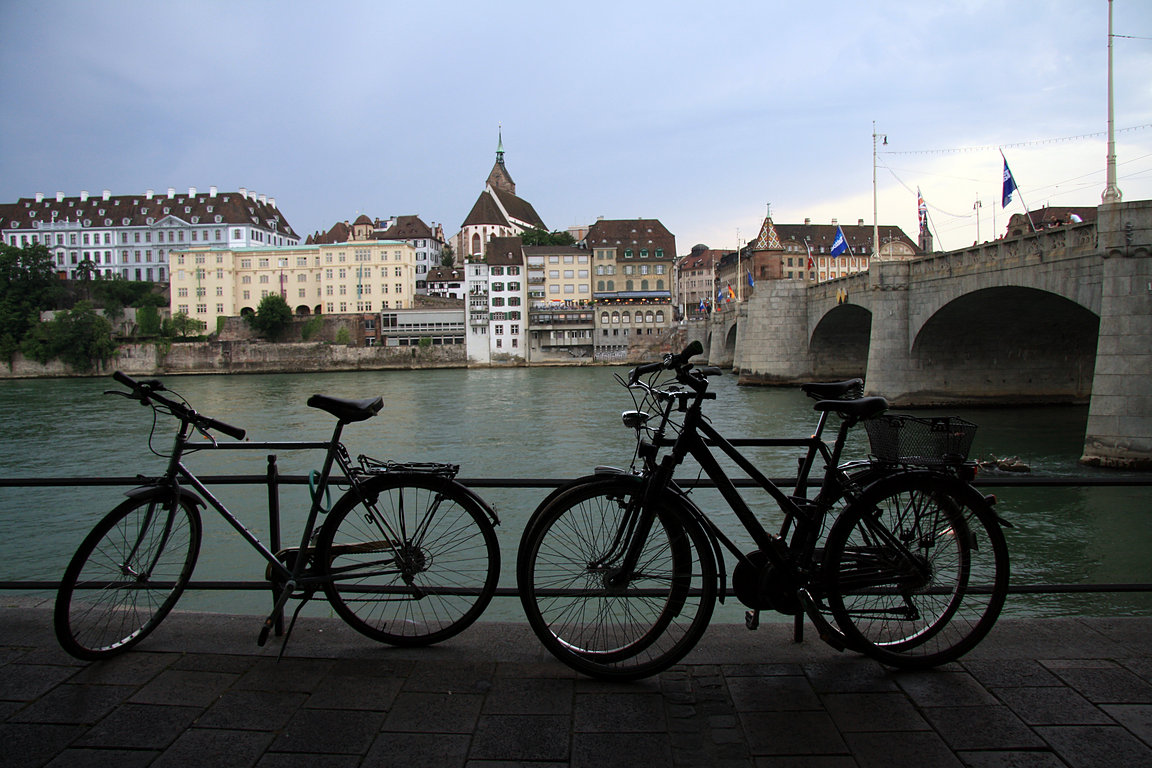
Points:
x=1059, y=316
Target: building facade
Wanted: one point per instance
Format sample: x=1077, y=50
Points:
x=131, y=236
x=496, y=304
x=340, y=278
x=427, y=241
x=561, y=318
x=631, y=283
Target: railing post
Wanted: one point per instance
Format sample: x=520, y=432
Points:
x=273, y=479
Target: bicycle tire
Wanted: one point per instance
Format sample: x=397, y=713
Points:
x=611, y=632
x=916, y=571
x=127, y=575
x=415, y=565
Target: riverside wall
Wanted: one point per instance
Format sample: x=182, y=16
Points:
x=246, y=356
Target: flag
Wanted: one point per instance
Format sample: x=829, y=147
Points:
x=1009, y=186
x=811, y=264
x=731, y=293
x=839, y=245
x=921, y=210
x=702, y=307
x=751, y=282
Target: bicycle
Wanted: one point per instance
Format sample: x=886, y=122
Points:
x=619, y=571
x=406, y=556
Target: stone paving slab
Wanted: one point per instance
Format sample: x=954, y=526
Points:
x=1052, y=692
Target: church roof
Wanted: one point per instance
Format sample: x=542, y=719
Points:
x=485, y=211
x=519, y=208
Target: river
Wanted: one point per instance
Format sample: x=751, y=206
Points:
x=520, y=422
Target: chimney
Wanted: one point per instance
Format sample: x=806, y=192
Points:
x=107, y=195
x=171, y=192
x=264, y=199
x=807, y=221
x=859, y=222
x=191, y=191
x=148, y=194
x=211, y=191
x=272, y=202
x=59, y=197
x=834, y=222
x=39, y=197
x=243, y=192
x=83, y=195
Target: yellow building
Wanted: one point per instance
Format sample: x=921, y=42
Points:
x=340, y=278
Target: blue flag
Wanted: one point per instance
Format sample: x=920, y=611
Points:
x=751, y=282
x=840, y=244
x=1009, y=186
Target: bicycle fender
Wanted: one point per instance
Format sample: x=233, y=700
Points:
x=147, y=490
x=400, y=476
x=962, y=490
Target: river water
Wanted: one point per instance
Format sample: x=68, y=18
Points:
x=521, y=422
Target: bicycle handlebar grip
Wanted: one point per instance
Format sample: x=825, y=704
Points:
x=125, y=379
x=234, y=432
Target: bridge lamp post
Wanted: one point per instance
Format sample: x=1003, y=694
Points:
x=1111, y=190
x=976, y=207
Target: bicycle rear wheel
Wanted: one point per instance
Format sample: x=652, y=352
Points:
x=571, y=550
x=126, y=575
x=916, y=572
x=414, y=564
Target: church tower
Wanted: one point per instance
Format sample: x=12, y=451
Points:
x=499, y=178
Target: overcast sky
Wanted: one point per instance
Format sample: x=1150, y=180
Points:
x=698, y=114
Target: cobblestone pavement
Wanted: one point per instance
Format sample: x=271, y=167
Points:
x=1036, y=693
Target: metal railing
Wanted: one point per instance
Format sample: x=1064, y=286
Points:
x=273, y=480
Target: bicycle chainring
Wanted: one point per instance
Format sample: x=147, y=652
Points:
x=759, y=585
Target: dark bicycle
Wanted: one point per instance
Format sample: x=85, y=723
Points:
x=898, y=557
x=407, y=555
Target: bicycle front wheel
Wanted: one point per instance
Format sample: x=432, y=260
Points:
x=126, y=575
x=413, y=563
x=916, y=571
x=568, y=568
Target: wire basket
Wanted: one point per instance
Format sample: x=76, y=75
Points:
x=924, y=441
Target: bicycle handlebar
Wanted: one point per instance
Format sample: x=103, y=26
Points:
x=679, y=362
x=147, y=393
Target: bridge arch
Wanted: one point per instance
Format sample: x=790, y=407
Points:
x=838, y=345
x=1009, y=342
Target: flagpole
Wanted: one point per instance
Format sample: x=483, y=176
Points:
x=875, y=206
x=1111, y=190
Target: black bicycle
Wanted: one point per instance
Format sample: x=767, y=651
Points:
x=407, y=555
x=898, y=557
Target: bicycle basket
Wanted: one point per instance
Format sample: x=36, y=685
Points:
x=928, y=441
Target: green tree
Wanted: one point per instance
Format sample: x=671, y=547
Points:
x=540, y=237
x=447, y=256
x=148, y=320
x=272, y=316
x=184, y=325
x=28, y=284
x=78, y=336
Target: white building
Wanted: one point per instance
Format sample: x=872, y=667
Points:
x=497, y=293
x=131, y=236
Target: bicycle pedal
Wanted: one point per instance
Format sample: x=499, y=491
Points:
x=752, y=619
x=262, y=638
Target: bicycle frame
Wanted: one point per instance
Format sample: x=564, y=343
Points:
x=696, y=437
x=178, y=472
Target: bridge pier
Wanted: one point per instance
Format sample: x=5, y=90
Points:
x=1119, y=432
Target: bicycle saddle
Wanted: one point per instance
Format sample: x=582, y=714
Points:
x=834, y=390
x=347, y=410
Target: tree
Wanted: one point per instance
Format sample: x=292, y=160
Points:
x=78, y=336
x=272, y=316
x=184, y=325
x=28, y=284
x=447, y=256
x=540, y=237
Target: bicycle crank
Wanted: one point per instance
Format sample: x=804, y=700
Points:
x=761, y=586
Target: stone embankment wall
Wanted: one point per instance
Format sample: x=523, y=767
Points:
x=248, y=357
